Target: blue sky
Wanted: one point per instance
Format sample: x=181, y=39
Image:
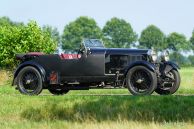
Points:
x=168, y=15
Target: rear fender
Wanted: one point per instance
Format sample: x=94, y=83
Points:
x=146, y=64
x=29, y=63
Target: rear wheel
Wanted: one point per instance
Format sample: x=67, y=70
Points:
x=29, y=81
x=58, y=91
x=170, y=86
x=141, y=81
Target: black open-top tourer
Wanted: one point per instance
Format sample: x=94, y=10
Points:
x=94, y=66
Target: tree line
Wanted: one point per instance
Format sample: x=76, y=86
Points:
x=17, y=37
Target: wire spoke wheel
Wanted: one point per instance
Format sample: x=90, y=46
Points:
x=171, y=83
x=141, y=81
x=170, y=77
x=29, y=81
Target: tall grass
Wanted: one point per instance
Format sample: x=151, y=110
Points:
x=187, y=77
x=4, y=77
x=114, y=109
x=85, y=111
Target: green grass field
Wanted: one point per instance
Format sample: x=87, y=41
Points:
x=115, y=109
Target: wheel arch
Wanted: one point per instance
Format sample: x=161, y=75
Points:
x=169, y=65
x=29, y=63
x=146, y=64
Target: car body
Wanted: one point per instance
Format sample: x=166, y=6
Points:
x=95, y=66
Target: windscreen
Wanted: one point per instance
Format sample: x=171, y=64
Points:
x=93, y=43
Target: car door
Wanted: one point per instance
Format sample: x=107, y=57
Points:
x=91, y=65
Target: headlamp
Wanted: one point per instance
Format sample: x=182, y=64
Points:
x=152, y=55
x=165, y=55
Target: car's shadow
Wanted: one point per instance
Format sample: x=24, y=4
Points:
x=113, y=107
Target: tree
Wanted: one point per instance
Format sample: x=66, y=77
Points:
x=119, y=33
x=53, y=33
x=179, y=59
x=22, y=39
x=36, y=39
x=176, y=42
x=76, y=31
x=192, y=41
x=152, y=36
x=5, y=21
x=191, y=59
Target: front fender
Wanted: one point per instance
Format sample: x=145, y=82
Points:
x=174, y=65
x=148, y=65
x=169, y=65
x=29, y=63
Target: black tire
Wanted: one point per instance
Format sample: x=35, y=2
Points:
x=175, y=85
x=58, y=91
x=29, y=81
x=141, y=78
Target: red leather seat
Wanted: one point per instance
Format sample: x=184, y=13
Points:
x=70, y=56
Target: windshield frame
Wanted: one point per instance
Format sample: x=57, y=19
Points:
x=101, y=45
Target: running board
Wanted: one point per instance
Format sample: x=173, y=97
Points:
x=85, y=87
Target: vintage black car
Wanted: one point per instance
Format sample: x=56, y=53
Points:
x=94, y=66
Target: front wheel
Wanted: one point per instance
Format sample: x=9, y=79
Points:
x=29, y=81
x=170, y=86
x=58, y=91
x=141, y=81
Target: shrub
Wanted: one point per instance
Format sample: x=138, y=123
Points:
x=22, y=39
